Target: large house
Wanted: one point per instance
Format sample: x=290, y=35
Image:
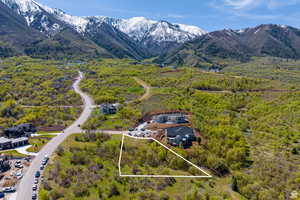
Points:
x=16, y=136
x=180, y=136
x=6, y=143
x=170, y=119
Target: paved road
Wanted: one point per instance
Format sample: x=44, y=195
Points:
x=23, y=150
x=25, y=188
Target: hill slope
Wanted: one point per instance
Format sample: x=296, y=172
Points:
x=263, y=40
x=15, y=35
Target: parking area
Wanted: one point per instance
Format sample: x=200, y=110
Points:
x=14, y=170
x=141, y=131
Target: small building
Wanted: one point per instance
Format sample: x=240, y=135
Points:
x=108, y=109
x=6, y=143
x=215, y=69
x=180, y=136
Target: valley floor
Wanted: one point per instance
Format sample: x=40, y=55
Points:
x=249, y=137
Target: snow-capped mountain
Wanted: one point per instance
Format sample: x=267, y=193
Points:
x=136, y=37
x=157, y=36
x=140, y=28
x=36, y=15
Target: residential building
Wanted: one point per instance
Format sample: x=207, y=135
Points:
x=22, y=130
x=6, y=143
x=109, y=109
x=180, y=136
x=170, y=119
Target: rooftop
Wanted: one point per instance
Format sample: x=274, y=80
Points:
x=21, y=139
x=180, y=130
x=4, y=140
x=16, y=140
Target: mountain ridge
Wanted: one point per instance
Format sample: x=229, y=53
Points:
x=144, y=37
x=52, y=33
x=263, y=40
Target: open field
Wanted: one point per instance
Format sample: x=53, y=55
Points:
x=38, y=142
x=86, y=167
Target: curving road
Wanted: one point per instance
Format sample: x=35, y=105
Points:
x=147, y=88
x=25, y=188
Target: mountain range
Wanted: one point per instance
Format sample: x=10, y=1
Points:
x=29, y=28
x=61, y=33
x=263, y=40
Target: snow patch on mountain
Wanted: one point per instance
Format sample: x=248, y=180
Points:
x=22, y=6
x=136, y=27
x=140, y=29
x=78, y=23
x=192, y=29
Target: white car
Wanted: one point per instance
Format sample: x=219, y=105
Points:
x=9, y=189
x=18, y=165
x=34, y=187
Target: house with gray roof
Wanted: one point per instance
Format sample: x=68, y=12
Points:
x=180, y=136
x=171, y=119
x=109, y=109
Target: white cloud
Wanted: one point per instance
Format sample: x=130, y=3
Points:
x=251, y=4
x=241, y=4
x=176, y=16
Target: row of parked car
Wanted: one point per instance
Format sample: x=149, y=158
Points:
x=7, y=190
x=37, y=177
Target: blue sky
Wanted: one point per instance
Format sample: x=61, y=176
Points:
x=208, y=14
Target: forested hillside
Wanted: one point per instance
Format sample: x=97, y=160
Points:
x=33, y=90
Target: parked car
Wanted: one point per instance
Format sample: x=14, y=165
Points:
x=37, y=174
x=42, y=167
x=45, y=160
x=34, y=196
x=19, y=174
x=2, y=195
x=131, y=129
x=9, y=189
x=18, y=165
x=34, y=187
x=36, y=181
